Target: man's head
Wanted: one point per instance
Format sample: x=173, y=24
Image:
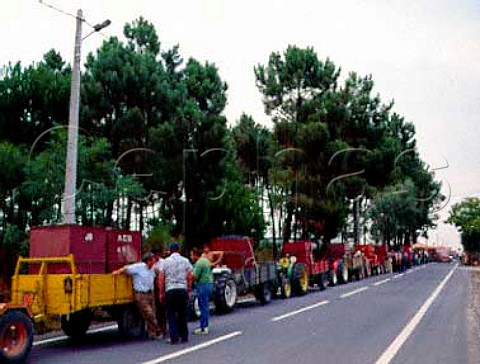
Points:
x=174, y=247
x=206, y=249
x=157, y=252
x=149, y=259
x=194, y=255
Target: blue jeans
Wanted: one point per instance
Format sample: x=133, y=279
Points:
x=204, y=291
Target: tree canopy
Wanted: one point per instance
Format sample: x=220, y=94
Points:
x=157, y=153
x=465, y=216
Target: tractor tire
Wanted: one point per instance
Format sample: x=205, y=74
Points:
x=263, y=293
x=343, y=274
x=16, y=337
x=332, y=278
x=299, y=279
x=131, y=323
x=286, y=288
x=193, y=308
x=225, y=295
x=368, y=270
x=76, y=324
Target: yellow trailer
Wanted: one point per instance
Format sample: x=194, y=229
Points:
x=72, y=297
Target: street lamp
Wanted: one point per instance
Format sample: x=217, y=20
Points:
x=72, y=148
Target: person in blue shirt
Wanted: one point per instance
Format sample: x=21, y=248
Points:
x=143, y=275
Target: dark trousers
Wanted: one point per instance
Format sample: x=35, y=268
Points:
x=177, y=309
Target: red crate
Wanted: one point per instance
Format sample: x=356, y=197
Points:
x=87, y=244
x=123, y=247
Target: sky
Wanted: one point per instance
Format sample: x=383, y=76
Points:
x=423, y=54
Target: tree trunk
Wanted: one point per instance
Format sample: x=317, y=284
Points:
x=272, y=218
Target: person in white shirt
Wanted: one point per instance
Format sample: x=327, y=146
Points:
x=160, y=304
x=175, y=279
x=143, y=276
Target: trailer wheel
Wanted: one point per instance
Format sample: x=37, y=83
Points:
x=16, y=337
x=131, y=323
x=225, y=295
x=286, y=288
x=299, y=279
x=263, y=293
x=76, y=324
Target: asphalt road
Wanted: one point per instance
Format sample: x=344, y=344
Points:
x=417, y=317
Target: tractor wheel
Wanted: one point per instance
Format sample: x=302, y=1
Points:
x=343, y=273
x=299, y=279
x=76, y=324
x=286, y=288
x=131, y=323
x=263, y=293
x=225, y=295
x=16, y=337
x=193, y=308
x=368, y=270
x=359, y=274
x=332, y=279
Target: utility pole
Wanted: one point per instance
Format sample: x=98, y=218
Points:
x=72, y=149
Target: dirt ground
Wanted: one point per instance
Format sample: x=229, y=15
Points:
x=473, y=315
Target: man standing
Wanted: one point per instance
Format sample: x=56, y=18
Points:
x=175, y=279
x=203, y=275
x=143, y=283
x=160, y=309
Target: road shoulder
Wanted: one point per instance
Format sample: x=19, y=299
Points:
x=473, y=317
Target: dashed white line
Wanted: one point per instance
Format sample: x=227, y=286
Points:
x=395, y=346
x=351, y=293
x=381, y=282
x=176, y=354
x=62, y=338
x=296, y=312
x=398, y=275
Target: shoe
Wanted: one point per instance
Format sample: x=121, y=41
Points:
x=201, y=331
x=172, y=342
x=184, y=341
x=156, y=337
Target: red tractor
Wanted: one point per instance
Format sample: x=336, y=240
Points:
x=310, y=266
x=374, y=258
x=241, y=274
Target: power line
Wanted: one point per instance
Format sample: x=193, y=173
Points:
x=64, y=12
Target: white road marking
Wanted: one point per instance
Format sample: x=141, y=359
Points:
x=381, y=282
x=62, y=338
x=176, y=354
x=296, y=312
x=395, y=346
x=398, y=275
x=351, y=293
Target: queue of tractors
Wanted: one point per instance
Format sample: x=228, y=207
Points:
x=303, y=265
x=68, y=276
